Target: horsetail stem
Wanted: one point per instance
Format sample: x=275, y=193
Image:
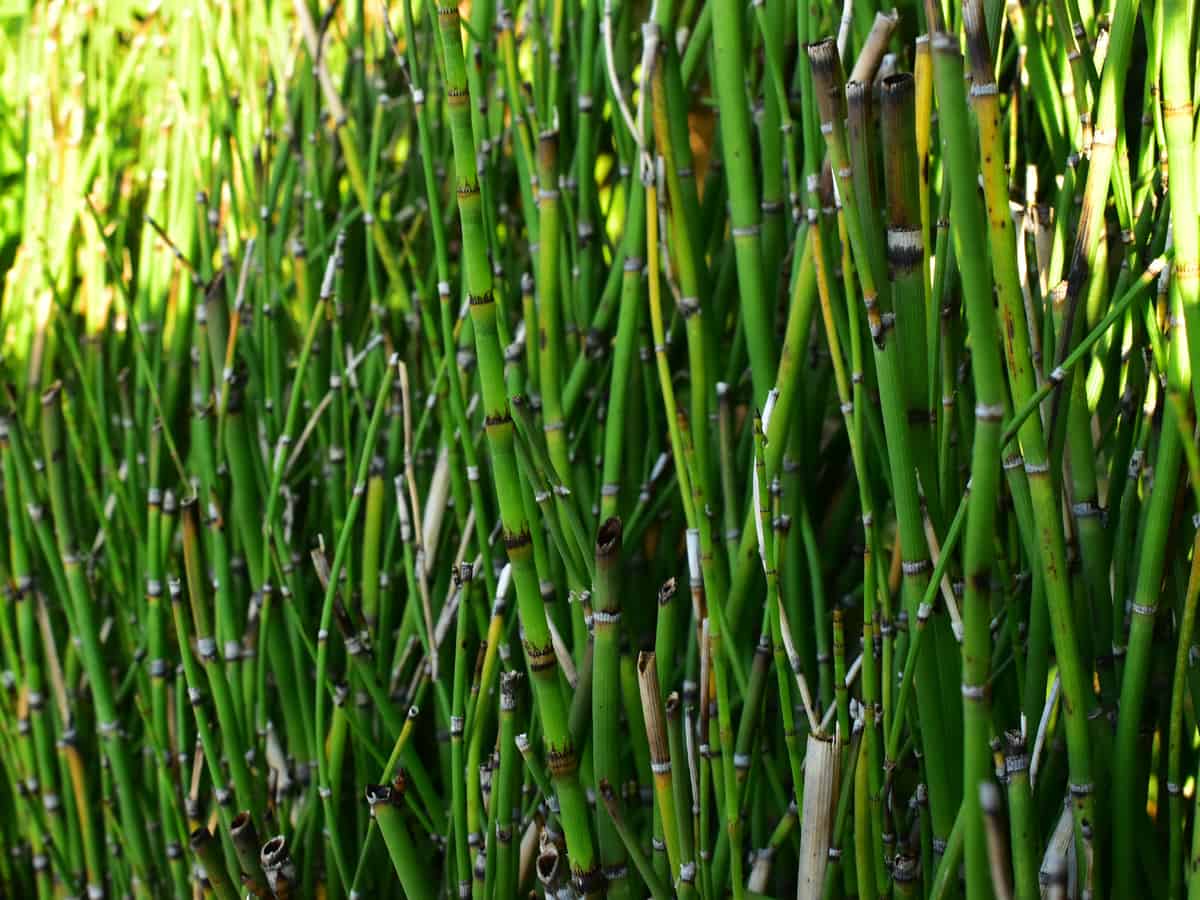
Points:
x=939, y=551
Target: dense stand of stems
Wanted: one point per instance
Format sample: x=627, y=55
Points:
x=345, y=347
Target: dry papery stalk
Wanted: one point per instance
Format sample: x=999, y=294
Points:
x=821, y=779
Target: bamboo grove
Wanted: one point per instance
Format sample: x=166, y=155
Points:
x=583, y=448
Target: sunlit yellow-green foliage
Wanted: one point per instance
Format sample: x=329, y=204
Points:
x=120, y=112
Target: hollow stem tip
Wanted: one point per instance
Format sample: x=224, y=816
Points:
x=608, y=539
x=278, y=865
x=207, y=851
x=828, y=78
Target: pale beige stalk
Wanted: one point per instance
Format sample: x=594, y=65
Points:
x=820, y=787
